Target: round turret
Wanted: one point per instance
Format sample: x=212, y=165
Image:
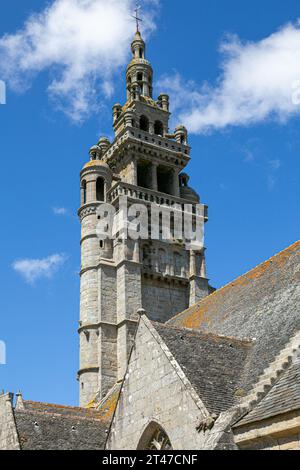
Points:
x=96, y=179
x=181, y=135
x=186, y=192
x=138, y=46
x=104, y=144
x=139, y=75
x=95, y=152
x=117, y=110
x=163, y=101
x=129, y=118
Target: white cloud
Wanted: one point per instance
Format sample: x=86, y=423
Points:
x=60, y=211
x=33, y=269
x=83, y=43
x=259, y=81
x=275, y=164
x=274, y=167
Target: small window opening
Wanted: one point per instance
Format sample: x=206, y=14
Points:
x=100, y=189
x=84, y=192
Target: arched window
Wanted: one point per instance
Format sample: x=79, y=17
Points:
x=100, y=189
x=141, y=53
x=140, y=77
x=158, y=128
x=154, y=438
x=144, y=124
x=83, y=192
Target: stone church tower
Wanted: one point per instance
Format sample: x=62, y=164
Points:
x=118, y=277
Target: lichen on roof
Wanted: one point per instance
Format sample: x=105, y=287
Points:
x=262, y=305
x=107, y=406
x=200, y=313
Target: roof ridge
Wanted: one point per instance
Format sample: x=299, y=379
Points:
x=253, y=409
x=245, y=341
x=65, y=416
x=68, y=407
x=231, y=283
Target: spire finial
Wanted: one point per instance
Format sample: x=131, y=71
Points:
x=136, y=17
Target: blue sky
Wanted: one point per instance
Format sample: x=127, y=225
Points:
x=245, y=167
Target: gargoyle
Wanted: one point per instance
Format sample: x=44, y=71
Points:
x=207, y=424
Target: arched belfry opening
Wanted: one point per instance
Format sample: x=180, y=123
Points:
x=154, y=438
x=144, y=124
x=158, y=128
x=144, y=174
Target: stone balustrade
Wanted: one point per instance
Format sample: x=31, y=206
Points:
x=150, y=196
x=139, y=135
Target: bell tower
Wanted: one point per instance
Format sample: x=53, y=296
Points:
x=145, y=163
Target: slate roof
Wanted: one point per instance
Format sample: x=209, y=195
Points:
x=263, y=306
x=284, y=397
x=42, y=426
x=212, y=364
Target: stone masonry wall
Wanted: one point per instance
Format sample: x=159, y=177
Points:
x=162, y=300
x=107, y=296
x=156, y=390
x=8, y=432
x=108, y=357
x=280, y=443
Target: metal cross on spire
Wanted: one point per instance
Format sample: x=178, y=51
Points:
x=136, y=17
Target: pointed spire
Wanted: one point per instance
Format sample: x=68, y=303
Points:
x=19, y=402
x=139, y=74
x=138, y=46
